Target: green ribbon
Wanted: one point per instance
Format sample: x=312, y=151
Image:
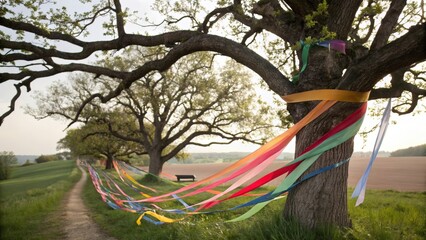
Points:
x=305, y=53
x=308, y=159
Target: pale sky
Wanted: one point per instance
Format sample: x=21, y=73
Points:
x=22, y=134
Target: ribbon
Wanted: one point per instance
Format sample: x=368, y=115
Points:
x=327, y=94
x=267, y=197
x=318, y=110
x=305, y=54
x=361, y=185
x=252, y=164
x=337, y=45
x=308, y=159
x=159, y=217
x=357, y=115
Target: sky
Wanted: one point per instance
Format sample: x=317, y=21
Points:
x=25, y=135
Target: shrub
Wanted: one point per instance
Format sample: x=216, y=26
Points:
x=46, y=158
x=27, y=163
x=6, y=160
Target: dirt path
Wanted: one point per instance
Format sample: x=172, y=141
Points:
x=79, y=225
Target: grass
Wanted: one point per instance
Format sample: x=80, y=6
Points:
x=384, y=215
x=31, y=197
x=390, y=215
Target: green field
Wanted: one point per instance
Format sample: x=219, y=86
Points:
x=31, y=197
x=384, y=215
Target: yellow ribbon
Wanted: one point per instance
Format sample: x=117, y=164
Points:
x=327, y=94
x=157, y=216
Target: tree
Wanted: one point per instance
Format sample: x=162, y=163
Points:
x=411, y=151
x=6, y=160
x=385, y=44
x=46, y=158
x=170, y=110
x=94, y=139
x=64, y=155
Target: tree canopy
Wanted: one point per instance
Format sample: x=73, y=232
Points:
x=191, y=27
x=411, y=151
x=165, y=112
x=6, y=160
x=94, y=139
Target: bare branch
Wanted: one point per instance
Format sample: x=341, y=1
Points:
x=302, y=8
x=275, y=19
x=91, y=20
x=341, y=15
x=219, y=13
x=39, y=31
x=119, y=18
x=413, y=104
x=249, y=34
x=395, y=91
x=91, y=47
x=272, y=76
x=403, y=52
x=388, y=24
x=189, y=139
x=12, y=103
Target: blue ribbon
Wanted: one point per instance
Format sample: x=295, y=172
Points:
x=269, y=196
x=360, y=187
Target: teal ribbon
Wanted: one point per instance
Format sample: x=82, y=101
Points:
x=305, y=54
x=337, y=45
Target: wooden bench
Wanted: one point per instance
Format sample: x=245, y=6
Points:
x=179, y=177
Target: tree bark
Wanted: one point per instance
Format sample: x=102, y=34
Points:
x=155, y=163
x=108, y=164
x=322, y=200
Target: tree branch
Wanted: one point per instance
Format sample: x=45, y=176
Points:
x=12, y=104
x=302, y=8
x=275, y=19
x=119, y=18
x=270, y=74
x=413, y=104
x=403, y=52
x=219, y=12
x=341, y=15
x=396, y=90
x=188, y=140
x=388, y=24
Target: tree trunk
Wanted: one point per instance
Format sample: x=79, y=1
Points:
x=108, y=164
x=322, y=200
x=155, y=163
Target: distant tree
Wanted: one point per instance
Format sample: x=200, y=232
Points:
x=6, y=160
x=94, y=139
x=27, y=163
x=410, y=152
x=46, y=158
x=140, y=160
x=65, y=155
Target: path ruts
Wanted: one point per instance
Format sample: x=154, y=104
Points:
x=77, y=223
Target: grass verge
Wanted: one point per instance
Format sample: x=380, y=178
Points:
x=384, y=215
x=31, y=197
